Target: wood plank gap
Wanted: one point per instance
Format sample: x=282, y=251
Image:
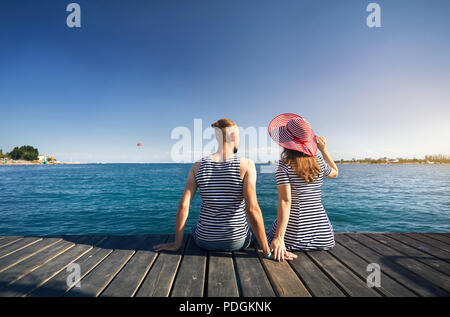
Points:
x=411, y=281
x=315, y=280
x=127, y=245
x=11, y=248
x=18, y=271
x=362, y=277
x=18, y=257
x=308, y=288
x=433, y=262
x=8, y=240
x=435, y=243
x=236, y=275
x=419, y=245
x=159, y=284
x=330, y=276
x=390, y=286
x=45, y=272
x=432, y=276
x=100, y=260
x=380, y=290
x=438, y=236
x=283, y=284
x=188, y=240
x=150, y=268
x=205, y=281
x=253, y=280
x=57, y=285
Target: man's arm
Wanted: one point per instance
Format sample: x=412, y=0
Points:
x=182, y=212
x=254, y=214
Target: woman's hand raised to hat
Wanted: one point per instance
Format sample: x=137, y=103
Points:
x=321, y=143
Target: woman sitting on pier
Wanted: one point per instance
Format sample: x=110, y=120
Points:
x=302, y=223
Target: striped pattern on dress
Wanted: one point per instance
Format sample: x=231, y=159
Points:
x=308, y=227
x=222, y=214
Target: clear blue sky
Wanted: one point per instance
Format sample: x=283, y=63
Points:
x=137, y=69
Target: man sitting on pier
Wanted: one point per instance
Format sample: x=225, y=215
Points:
x=228, y=190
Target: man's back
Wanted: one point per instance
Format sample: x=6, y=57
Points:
x=222, y=214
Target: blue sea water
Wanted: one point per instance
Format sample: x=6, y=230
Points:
x=127, y=199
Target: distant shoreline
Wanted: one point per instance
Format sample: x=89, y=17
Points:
x=21, y=163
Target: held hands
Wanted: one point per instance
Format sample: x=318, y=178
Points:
x=166, y=246
x=279, y=252
x=321, y=143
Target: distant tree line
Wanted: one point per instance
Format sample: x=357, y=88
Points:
x=25, y=152
x=439, y=158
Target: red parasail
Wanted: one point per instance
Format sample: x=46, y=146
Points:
x=139, y=144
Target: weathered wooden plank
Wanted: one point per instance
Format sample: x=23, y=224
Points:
x=6, y=240
x=58, y=285
x=347, y=280
x=438, y=244
x=413, y=282
x=284, y=280
x=159, y=279
x=126, y=283
x=221, y=275
x=418, y=255
x=438, y=236
x=24, y=253
x=17, y=246
x=190, y=278
x=413, y=265
x=97, y=279
x=251, y=274
x=317, y=283
x=22, y=268
x=441, y=254
x=37, y=277
x=389, y=287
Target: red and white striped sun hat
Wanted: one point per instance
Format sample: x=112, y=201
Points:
x=293, y=132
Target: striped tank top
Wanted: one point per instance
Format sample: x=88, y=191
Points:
x=222, y=214
x=308, y=227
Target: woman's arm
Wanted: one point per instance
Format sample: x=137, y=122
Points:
x=254, y=213
x=322, y=145
x=284, y=209
x=182, y=213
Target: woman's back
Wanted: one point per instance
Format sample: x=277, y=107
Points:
x=308, y=227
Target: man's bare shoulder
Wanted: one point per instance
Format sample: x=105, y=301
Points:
x=247, y=163
x=196, y=166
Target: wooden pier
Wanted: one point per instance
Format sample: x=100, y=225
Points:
x=412, y=264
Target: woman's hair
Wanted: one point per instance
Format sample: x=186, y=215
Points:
x=303, y=165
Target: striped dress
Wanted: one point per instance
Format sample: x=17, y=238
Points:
x=309, y=227
x=222, y=214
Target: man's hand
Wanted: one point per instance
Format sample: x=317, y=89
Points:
x=166, y=246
